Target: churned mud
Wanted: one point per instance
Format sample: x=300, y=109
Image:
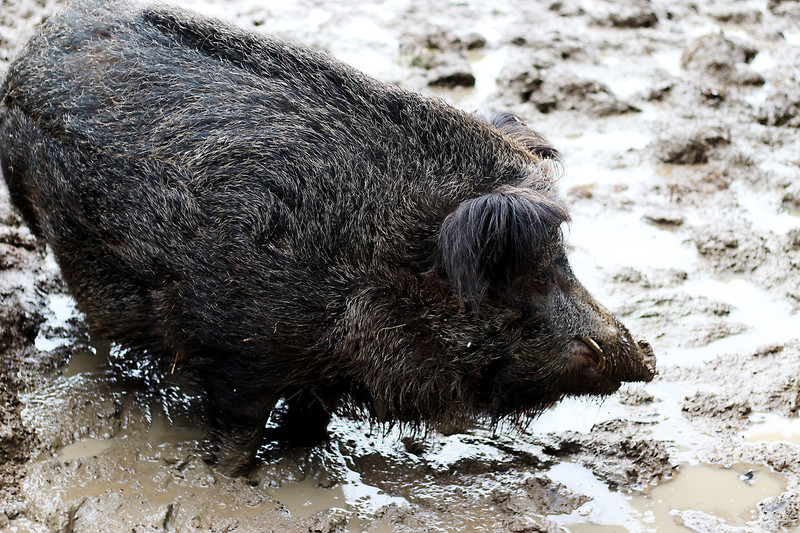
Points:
x=678, y=122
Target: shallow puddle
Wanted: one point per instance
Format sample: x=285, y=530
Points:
x=304, y=498
x=698, y=495
x=768, y=319
x=769, y=427
x=86, y=360
x=84, y=448
x=731, y=494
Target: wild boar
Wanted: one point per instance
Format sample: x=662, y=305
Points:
x=280, y=226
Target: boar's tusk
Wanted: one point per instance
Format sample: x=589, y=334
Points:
x=601, y=356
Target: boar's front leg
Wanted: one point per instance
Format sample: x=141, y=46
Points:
x=238, y=414
x=305, y=421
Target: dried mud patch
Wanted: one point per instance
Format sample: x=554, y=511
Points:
x=682, y=320
x=767, y=380
x=618, y=452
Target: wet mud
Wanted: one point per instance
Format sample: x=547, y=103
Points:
x=678, y=123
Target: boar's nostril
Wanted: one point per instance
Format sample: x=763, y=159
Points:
x=648, y=358
x=601, y=356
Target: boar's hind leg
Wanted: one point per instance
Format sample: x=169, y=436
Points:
x=238, y=420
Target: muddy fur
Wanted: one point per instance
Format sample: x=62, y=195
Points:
x=278, y=225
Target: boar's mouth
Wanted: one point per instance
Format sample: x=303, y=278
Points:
x=598, y=355
x=626, y=362
x=599, y=368
x=589, y=368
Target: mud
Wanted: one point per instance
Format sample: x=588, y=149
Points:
x=678, y=123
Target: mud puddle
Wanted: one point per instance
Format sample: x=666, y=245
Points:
x=700, y=498
x=770, y=427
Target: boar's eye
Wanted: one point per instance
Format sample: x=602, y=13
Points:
x=557, y=275
x=541, y=285
x=545, y=281
x=497, y=239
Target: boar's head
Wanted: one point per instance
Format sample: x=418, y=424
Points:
x=503, y=253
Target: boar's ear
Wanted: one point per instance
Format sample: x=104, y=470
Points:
x=489, y=241
x=516, y=129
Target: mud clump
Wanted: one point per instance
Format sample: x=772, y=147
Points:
x=636, y=397
x=441, y=57
x=717, y=412
x=522, y=516
x=631, y=278
x=691, y=148
x=14, y=438
x=784, y=8
x=632, y=14
x=765, y=381
x=328, y=522
x=791, y=197
x=781, y=109
x=524, y=84
x=549, y=91
x=17, y=326
x=722, y=59
x=618, y=452
x=783, y=511
x=728, y=248
x=734, y=14
x=664, y=219
x=793, y=239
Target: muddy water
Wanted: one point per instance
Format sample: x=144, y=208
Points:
x=698, y=258
x=698, y=494
x=773, y=428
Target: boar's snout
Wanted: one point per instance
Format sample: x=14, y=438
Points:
x=629, y=360
x=599, y=352
x=648, y=367
x=599, y=363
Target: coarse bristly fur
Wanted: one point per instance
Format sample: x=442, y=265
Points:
x=281, y=226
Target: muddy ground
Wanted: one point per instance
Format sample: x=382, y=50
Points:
x=678, y=122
